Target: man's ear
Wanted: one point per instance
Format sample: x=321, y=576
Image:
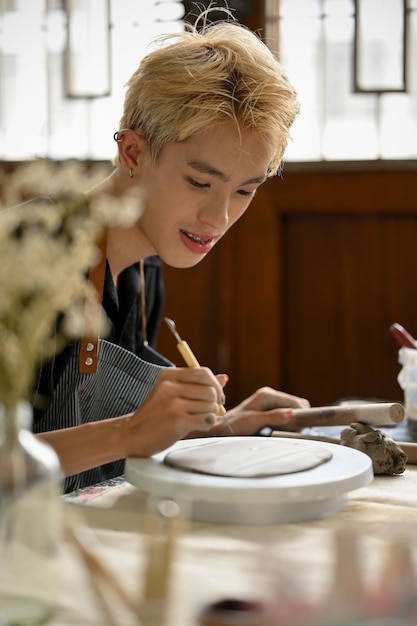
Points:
x=131, y=149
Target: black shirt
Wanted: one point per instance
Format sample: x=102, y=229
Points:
x=123, y=310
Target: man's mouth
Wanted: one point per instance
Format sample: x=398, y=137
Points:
x=197, y=238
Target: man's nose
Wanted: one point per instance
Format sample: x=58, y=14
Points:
x=215, y=213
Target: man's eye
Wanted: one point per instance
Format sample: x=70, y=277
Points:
x=242, y=192
x=194, y=183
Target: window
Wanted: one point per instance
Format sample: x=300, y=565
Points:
x=316, y=46
x=37, y=117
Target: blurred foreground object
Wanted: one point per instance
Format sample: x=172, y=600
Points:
x=49, y=230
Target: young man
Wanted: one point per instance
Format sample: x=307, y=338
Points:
x=206, y=121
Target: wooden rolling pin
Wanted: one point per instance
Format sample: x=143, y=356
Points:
x=374, y=414
x=409, y=448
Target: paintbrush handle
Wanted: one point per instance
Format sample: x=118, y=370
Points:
x=190, y=359
x=79, y=537
x=403, y=336
x=377, y=414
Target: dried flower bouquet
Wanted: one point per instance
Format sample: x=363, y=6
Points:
x=46, y=248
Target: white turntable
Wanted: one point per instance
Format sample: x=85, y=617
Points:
x=291, y=497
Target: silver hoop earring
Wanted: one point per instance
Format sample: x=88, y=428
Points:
x=131, y=174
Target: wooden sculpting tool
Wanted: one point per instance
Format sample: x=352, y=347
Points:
x=189, y=357
x=374, y=414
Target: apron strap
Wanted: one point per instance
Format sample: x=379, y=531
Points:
x=88, y=359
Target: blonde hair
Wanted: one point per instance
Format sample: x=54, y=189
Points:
x=201, y=78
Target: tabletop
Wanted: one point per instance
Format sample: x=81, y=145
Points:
x=216, y=561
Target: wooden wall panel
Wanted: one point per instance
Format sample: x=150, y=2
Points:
x=301, y=293
x=341, y=296
x=349, y=257
x=227, y=306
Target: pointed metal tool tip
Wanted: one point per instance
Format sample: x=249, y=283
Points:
x=173, y=328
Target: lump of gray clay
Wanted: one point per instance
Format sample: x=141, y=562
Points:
x=387, y=456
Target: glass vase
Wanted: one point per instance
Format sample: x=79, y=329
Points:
x=30, y=478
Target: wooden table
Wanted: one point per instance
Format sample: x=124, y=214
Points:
x=215, y=561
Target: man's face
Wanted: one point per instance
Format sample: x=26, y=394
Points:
x=197, y=189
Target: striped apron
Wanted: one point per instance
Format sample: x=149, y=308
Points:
x=101, y=380
x=120, y=384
